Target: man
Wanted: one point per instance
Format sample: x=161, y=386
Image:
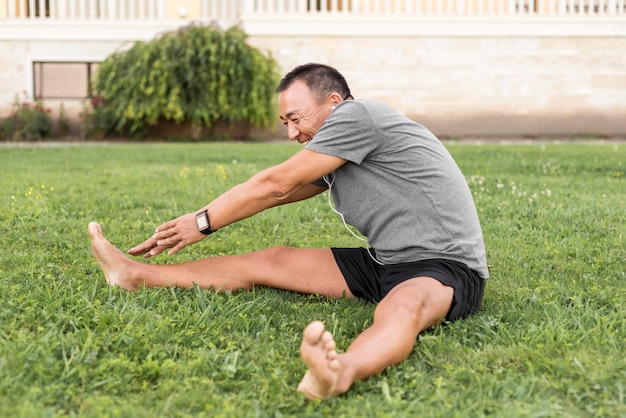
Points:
x=391, y=179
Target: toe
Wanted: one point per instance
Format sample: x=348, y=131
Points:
x=94, y=228
x=314, y=332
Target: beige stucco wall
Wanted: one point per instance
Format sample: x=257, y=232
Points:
x=479, y=85
x=23, y=42
x=16, y=59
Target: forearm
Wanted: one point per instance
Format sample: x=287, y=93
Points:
x=262, y=191
x=240, y=202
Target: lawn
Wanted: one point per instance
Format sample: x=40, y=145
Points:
x=549, y=340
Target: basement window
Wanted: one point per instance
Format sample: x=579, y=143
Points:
x=64, y=80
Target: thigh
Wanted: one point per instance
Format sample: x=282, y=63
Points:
x=363, y=275
x=302, y=270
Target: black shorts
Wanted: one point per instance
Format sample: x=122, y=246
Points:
x=372, y=281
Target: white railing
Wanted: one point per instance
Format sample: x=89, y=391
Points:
x=438, y=7
x=85, y=9
x=230, y=10
x=116, y=9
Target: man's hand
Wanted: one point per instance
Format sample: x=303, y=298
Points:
x=176, y=234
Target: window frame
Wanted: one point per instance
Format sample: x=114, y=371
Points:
x=37, y=68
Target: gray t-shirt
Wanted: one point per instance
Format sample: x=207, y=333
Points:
x=400, y=187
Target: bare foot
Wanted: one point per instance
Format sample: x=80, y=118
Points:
x=318, y=352
x=114, y=263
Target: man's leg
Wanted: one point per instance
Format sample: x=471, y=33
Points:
x=411, y=307
x=312, y=271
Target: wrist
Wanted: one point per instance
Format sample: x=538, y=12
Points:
x=203, y=223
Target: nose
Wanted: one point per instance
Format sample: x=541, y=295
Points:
x=292, y=131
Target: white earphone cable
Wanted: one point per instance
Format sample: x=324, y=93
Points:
x=343, y=219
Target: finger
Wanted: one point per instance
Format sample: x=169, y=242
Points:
x=177, y=248
x=165, y=234
x=168, y=242
x=166, y=226
x=156, y=251
x=143, y=247
x=139, y=250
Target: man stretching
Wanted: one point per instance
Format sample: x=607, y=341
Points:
x=424, y=259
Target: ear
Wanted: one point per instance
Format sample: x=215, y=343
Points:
x=334, y=99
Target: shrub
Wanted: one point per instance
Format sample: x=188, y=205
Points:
x=29, y=121
x=96, y=119
x=197, y=74
x=63, y=122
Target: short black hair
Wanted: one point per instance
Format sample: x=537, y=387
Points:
x=321, y=79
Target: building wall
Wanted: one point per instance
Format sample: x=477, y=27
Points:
x=480, y=85
x=464, y=76
x=515, y=78
x=22, y=43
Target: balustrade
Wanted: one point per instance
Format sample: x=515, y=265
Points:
x=231, y=10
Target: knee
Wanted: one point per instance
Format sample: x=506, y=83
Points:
x=408, y=307
x=424, y=306
x=271, y=257
x=275, y=254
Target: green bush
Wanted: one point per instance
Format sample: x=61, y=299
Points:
x=29, y=121
x=96, y=119
x=63, y=121
x=198, y=74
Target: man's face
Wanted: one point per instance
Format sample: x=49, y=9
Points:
x=301, y=113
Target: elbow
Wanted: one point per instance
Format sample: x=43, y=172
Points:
x=280, y=193
x=274, y=188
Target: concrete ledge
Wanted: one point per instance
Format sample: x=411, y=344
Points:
x=448, y=26
x=87, y=30
x=495, y=125
x=327, y=25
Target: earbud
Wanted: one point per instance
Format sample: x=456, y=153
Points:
x=333, y=107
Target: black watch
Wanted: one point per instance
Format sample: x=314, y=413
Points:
x=202, y=221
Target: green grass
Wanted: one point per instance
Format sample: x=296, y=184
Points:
x=549, y=341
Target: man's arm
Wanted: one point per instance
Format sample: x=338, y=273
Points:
x=305, y=192
x=277, y=185
x=287, y=182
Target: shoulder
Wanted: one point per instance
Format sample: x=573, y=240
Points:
x=366, y=109
x=362, y=112
x=358, y=106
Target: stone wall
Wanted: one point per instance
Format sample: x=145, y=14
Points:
x=525, y=80
x=480, y=85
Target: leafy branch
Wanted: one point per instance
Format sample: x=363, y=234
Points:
x=197, y=74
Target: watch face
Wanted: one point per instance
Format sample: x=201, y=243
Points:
x=202, y=222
